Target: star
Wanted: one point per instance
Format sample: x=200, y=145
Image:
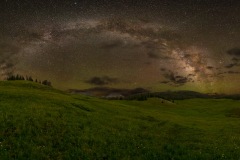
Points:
x=150, y=44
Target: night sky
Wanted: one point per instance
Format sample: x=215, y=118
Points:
x=158, y=45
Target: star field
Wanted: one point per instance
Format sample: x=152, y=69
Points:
x=166, y=45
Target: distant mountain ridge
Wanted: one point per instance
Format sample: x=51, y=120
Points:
x=112, y=93
x=105, y=91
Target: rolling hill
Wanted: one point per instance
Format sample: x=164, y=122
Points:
x=40, y=122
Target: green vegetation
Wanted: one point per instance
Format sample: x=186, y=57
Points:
x=39, y=122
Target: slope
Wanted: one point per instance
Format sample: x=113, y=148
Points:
x=39, y=122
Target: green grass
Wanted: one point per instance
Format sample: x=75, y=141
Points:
x=38, y=122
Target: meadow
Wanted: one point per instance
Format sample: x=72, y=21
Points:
x=39, y=122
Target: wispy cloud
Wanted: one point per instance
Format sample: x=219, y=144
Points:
x=234, y=52
x=175, y=79
x=99, y=81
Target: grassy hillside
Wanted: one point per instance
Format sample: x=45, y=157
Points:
x=38, y=122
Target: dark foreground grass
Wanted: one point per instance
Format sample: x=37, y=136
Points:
x=38, y=122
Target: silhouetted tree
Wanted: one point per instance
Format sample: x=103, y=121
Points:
x=15, y=77
x=22, y=78
x=30, y=79
x=10, y=78
x=47, y=83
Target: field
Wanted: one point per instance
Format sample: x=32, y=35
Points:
x=39, y=122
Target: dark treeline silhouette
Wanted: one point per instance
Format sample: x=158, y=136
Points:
x=28, y=78
x=47, y=83
x=180, y=95
x=170, y=96
x=15, y=77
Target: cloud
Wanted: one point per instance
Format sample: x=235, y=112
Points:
x=234, y=52
x=105, y=80
x=111, y=45
x=210, y=67
x=228, y=72
x=191, y=75
x=180, y=80
x=187, y=55
x=235, y=62
x=165, y=82
x=231, y=65
x=152, y=55
x=233, y=72
x=163, y=69
x=175, y=79
x=155, y=40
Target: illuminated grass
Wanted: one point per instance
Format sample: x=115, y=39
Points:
x=38, y=122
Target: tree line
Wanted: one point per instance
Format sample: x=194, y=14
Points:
x=28, y=78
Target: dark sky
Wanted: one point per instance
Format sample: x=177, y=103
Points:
x=157, y=45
